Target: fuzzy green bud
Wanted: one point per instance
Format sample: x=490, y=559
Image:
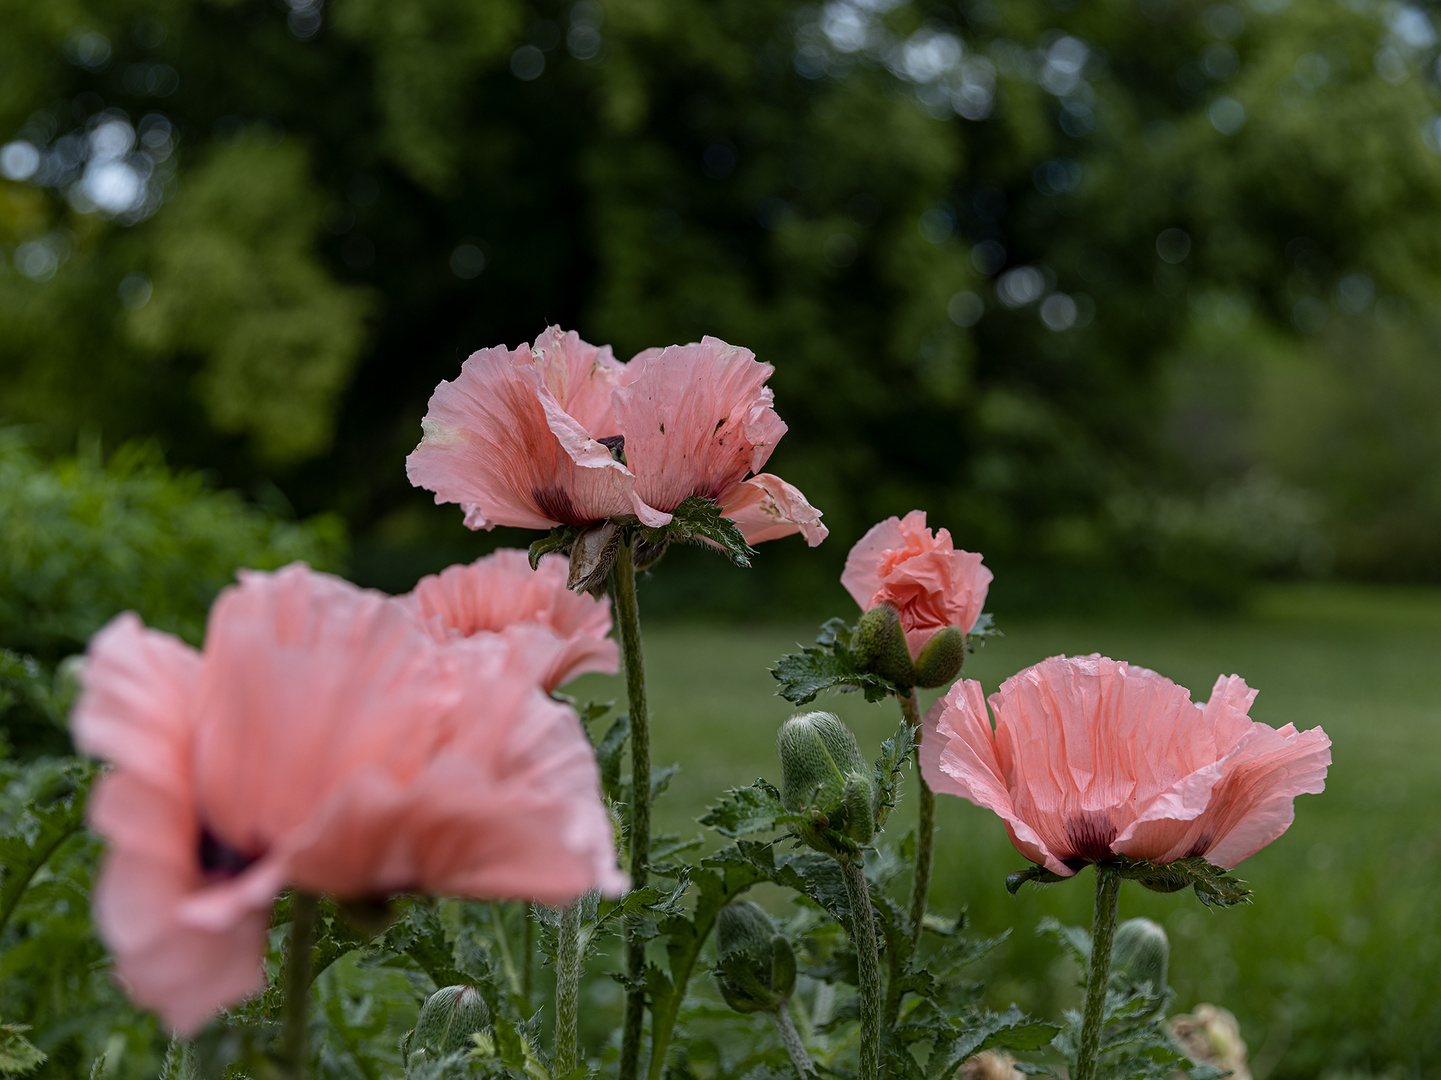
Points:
x=448, y=1019
x=879, y=646
x=1140, y=954
x=824, y=777
x=756, y=966
x=941, y=658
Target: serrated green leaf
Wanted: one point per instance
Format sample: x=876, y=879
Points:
x=802, y=675
x=17, y=1054
x=698, y=520
x=610, y=752
x=743, y=811
x=1075, y=940
x=52, y=814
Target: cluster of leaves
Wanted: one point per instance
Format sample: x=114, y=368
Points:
x=830, y=664
x=1214, y=886
x=82, y=539
x=1136, y=1041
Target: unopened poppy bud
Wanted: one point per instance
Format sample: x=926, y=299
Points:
x=1140, y=954
x=879, y=646
x=448, y=1019
x=756, y=966
x=941, y=659
x=824, y=777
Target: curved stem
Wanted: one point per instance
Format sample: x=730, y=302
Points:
x=925, y=825
x=1103, y=930
x=628, y=621
x=792, y=1041
x=567, y=988
x=298, y=968
x=868, y=967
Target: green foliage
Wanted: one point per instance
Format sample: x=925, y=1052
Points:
x=84, y=539
x=697, y=520
x=17, y=1055
x=829, y=664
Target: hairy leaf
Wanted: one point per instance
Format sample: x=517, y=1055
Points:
x=698, y=520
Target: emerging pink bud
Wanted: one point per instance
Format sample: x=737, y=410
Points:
x=923, y=576
x=561, y=433
x=500, y=593
x=1092, y=758
x=321, y=740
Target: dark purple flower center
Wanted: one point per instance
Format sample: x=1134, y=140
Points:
x=219, y=860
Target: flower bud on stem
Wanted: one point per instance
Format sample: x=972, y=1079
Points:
x=567, y=988
x=868, y=967
x=298, y=967
x=628, y=621
x=1103, y=932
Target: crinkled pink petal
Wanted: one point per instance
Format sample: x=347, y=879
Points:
x=183, y=972
x=958, y=756
x=766, y=508
x=1092, y=757
x=134, y=710
x=500, y=443
x=501, y=591
x=513, y=809
x=579, y=377
x=697, y=420
x=931, y=584
x=305, y=678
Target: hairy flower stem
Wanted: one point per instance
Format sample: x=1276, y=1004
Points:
x=868, y=966
x=628, y=620
x=298, y=968
x=567, y=988
x=925, y=825
x=792, y=1041
x=1103, y=930
x=527, y=970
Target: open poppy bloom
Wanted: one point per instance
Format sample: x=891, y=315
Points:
x=500, y=593
x=561, y=433
x=321, y=740
x=930, y=583
x=1092, y=758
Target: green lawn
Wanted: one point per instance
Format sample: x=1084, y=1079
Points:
x=1335, y=971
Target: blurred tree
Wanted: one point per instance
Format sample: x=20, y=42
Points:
x=983, y=244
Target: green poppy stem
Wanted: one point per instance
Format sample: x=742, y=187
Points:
x=868, y=967
x=304, y=907
x=628, y=622
x=1103, y=932
x=925, y=825
x=567, y=989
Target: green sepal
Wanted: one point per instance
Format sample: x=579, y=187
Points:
x=698, y=520
x=1214, y=886
x=1035, y=872
x=559, y=539
x=941, y=659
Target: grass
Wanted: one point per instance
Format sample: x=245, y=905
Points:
x=1334, y=971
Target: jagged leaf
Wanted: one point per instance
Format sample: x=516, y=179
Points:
x=53, y=812
x=742, y=811
x=698, y=520
x=984, y=627
x=17, y=1054
x=610, y=751
x=802, y=675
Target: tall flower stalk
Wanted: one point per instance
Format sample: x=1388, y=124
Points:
x=925, y=823
x=1103, y=932
x=299, y=965
x=868, y=965
x=628, y=617
x=568, y=962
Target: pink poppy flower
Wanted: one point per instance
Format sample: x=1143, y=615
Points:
x=930, y=583
x=321, y=740
x=560, y=433
x=1092, y=758
x=501, y=592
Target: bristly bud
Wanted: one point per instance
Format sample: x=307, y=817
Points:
x=448, y=1019
x=879, y=646
x=825, y=778
x=756, y=966
x=941, y=658
x=1140, y=954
